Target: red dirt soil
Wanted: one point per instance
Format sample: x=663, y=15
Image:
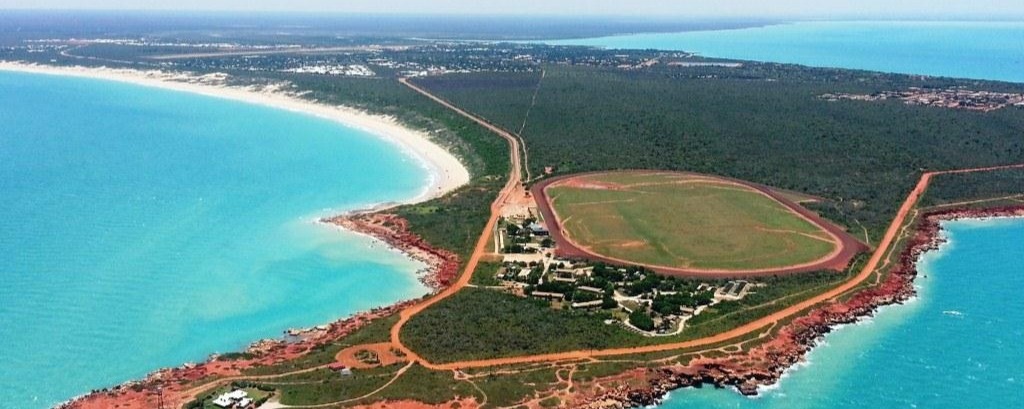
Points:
x=385, y=355
x=394, y=230
x=142, y=394
x=838, y=260
x=765, y=364
x=179, y=385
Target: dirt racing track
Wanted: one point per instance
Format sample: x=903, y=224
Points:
x=846, y=246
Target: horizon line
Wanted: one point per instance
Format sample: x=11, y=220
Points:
x=923, y=17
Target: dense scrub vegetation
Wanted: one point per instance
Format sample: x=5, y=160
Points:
x=478, y=324
x=452, y=222
x=763, y=122
x=481, y=323
x=958, y=187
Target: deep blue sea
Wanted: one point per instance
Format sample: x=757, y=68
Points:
x=142, y=228
x=979, y=50
x=958, y=345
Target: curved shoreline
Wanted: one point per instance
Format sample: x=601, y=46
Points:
x=764, y=365
x=445, y=172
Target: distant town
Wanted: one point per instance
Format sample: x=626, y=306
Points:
x=953, y=98
x=371, y=58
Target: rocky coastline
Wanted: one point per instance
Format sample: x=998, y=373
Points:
x=765, y=364
x=442, y=265
x=173, y=383
x=761, y=366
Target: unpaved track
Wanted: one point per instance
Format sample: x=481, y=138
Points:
x=773, y=319
x=769, y=321
x=761, y=326
x=846, y=246
x=482, y=245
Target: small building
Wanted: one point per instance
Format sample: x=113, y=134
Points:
x=538, y=230
x=340, y=368
x=244, y=402
x=547, y=295
x=590, y=289
x=588, y=304
x=229, y=399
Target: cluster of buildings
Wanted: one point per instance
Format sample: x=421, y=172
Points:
x=953, y=98
x=348, y=70
x=733, y=290
x=523, y=235
x=237, y=399
x=619, y=291
x=144, y=42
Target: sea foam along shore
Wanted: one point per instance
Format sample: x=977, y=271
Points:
x=446, y=172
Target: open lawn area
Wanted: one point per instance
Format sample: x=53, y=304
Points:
x=684, y=221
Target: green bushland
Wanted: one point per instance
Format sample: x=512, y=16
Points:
x=484, y=274
x=477, y=324
x=685, y=221
x=374, y=332
x=328, y=386
x=480, y=323
x=454, y=221
x=505, y=390
x=783, y=292
x=427, y=386
x=959, y=187
x=234, y=356
x=641, y=319
x=762, y=122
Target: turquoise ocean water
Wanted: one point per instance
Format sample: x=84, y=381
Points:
x=142, y=228
x=957, y=345
x=980, y=50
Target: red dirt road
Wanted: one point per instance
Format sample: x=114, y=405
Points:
x=758, y=325
x=482, y=244
x=754, y=326
x=846, y=245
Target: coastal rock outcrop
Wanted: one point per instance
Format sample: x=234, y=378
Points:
x=764, y=365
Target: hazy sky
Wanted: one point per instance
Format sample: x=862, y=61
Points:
x=746, y=8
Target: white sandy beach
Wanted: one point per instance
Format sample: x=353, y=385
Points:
x=446, y=171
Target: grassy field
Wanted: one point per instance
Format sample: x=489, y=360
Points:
x=684, y=221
